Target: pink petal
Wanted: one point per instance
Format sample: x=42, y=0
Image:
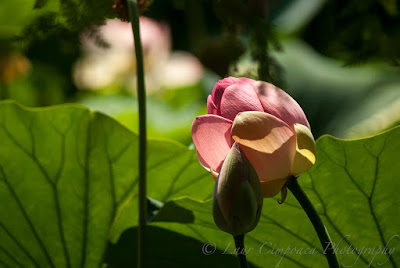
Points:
x=211, y=108
x=238, y=98
x=268, y=143
x=277, y=102
x=221, y=85
x=219, y=89
x=211, y=136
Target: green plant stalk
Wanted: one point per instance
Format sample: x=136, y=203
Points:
x=141, y=92
x=240, y=250
x=316, y=221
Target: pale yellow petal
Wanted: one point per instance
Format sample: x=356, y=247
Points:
x=305, y=150
x=272, y=187
x=268, y=143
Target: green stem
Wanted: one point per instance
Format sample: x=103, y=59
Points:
x=240, y=250
x=141, y=92
x=316, y=221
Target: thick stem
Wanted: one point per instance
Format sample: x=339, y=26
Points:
x=141, y=92
x=240, y=250
x=316, y=221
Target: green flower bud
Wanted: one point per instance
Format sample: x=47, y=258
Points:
x=238, y=196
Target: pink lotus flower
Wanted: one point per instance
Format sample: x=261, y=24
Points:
x=269, y=126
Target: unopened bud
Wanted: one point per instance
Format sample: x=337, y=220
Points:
x=238, y=196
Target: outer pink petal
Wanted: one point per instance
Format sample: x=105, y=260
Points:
x=211, y=108
x=268, y=143
x=221, y=85
x=239, y=98
x=211, y=135
x=278, y=103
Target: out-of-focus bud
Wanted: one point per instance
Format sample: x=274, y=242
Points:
x=259, y=7
x=120, y=7
x=238, y=196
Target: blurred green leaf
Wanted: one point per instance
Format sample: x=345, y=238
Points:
x=68, y=183
x=357, y=32
x=15, y=15
x=181, y=96
x=330, y=94
x=32, y=20
x=41, y=86
x=163, y=119
x=378, y=111
x=354, y=188
x=291, y=15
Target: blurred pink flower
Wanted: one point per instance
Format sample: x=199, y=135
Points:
x=155, y=37
x=102, y=68
x=269, y=126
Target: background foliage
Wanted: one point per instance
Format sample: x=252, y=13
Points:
x=68, y=185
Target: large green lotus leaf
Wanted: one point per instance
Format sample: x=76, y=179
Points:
x=194, y=240
x=353, y=186
x=165, y=248
x=68, y=183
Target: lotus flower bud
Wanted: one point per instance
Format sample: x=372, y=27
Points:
x=238, y=196
x=269, y=126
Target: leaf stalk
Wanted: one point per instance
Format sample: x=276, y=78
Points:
x=141, y=92
x=316, y=221
x=240, y=250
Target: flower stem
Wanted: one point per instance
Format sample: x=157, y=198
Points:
x=240, y=250
x=141, y=92
x=316, y=221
